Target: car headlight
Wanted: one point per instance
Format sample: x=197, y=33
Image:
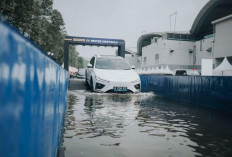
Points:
x=135, y=81
x=100, y=79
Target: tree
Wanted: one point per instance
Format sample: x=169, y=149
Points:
x=38, y=21
x=46, y=7
x=22, y=17
x=7, y=8
x=57, y=33
x=38, y=32
x=74, y=59
x=73, y=56
x=80, y=62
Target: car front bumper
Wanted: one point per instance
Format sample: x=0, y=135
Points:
x=103, y=86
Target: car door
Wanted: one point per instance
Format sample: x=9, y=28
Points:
x=89, y=70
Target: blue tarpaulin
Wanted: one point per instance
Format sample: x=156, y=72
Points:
x=32, y=97
x=211, y=91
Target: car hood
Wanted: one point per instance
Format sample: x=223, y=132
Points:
x=116, y=75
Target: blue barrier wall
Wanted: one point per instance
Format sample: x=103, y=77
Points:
x=209, y=91
x=32, y=98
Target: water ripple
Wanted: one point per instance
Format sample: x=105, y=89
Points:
x=142, y=125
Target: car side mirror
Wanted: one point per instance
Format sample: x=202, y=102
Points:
x=132, y=67
x=89, y=65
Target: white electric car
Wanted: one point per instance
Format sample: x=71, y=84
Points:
x=111, y=74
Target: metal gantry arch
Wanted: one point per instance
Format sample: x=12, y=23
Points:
x=91, y=41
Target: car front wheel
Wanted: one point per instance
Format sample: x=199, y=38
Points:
x=86, y=82
x=91, y=85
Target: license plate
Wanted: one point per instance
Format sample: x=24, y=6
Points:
x=120, y=89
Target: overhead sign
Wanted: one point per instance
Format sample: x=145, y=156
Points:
x=94, y=41
x=91, y=41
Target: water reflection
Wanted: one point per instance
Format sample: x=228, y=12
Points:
x=205, y=131
x=143, y=125
x=104, y=116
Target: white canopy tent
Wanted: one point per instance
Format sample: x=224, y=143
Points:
x=167, y=71
x=157, y=70
x=224, y=69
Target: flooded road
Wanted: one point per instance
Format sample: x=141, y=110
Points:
x=135, y=125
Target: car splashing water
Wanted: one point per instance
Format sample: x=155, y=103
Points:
x=135, y=125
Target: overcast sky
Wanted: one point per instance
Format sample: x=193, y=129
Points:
x=124, y=19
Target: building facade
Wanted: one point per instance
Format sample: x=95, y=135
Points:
x=177, y=52
x=209, y=38
x=223, y=39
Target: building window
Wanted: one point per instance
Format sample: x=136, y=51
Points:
x=155, y=40
x=201, y=46
x=144, y=60
x=156, y=58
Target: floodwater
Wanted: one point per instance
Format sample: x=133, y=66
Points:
x=142, y=125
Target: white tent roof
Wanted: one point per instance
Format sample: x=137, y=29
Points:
x=225, y=66
x=168, y=71
x=157, y=70
x=162, y=70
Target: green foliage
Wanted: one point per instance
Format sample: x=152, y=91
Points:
x=74, y=59
x=41, y=23
x=7, y=9
x=23, y=11
x=38, y=21
x=80, y=62
x=73, y=56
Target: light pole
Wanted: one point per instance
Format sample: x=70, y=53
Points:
x=194, y=56
x=170, y=16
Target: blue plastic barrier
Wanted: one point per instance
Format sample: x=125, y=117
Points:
x=209, y=91
x=33, y=92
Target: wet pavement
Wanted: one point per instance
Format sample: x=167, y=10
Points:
x=135, y=125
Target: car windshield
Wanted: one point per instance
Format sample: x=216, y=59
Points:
x=112, y=64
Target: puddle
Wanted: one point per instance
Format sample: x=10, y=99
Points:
x=134, y=125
